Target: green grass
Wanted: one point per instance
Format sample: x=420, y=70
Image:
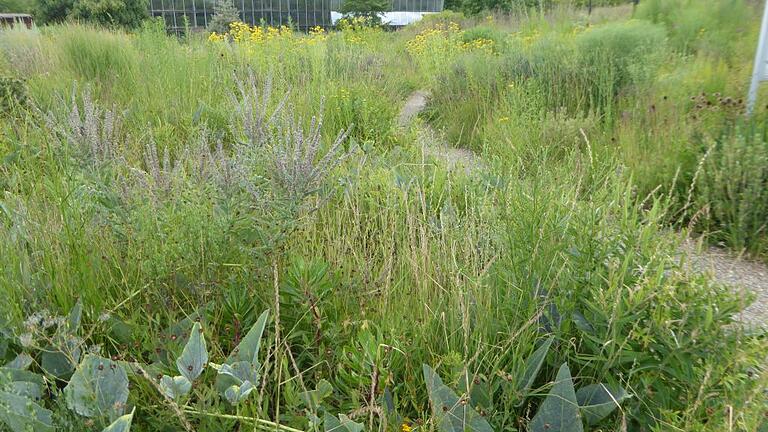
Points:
x=385, y=260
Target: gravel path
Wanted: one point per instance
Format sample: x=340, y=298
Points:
x=741, y=274
x=726, y=268
x=432, y=142
x=415, y=104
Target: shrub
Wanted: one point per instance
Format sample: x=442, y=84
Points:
x=730, y=190
x=485, y=33
x=711, y=27
x=369, y=9
x=224, y=14
x=615, y=56
x=113, y=13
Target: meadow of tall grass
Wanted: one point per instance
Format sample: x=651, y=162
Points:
x=160, y=193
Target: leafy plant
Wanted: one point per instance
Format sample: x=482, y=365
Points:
x=20, y=392
x=597, y=401
x=340, y=424
x=224, y=14
x=99, y=387
x=190, y=364
x=122, y=424
x=560, y=410
x=240, y=373
x=451, y=414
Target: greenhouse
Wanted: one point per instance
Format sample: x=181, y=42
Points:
x=302, y=14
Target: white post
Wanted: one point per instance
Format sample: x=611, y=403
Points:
x=758, y=70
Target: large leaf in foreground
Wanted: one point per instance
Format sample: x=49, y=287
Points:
x=341, y=424
x=21, y=414
x=122, y=424
x=99, y=387
x=560, y=411
x=248, y=349
x=597, y=401
x=533, y=365
x=450, y=413
x=194, y=357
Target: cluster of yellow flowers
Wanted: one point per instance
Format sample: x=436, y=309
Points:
x=427, y=37
x=528, y=38
x=487, y=45
x=241, y=32
x=354, y=23
x=442, y=34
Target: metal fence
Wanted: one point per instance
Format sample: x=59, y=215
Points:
x=302, y=14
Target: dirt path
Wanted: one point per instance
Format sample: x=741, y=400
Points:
x=742, y=275
x=433, y=144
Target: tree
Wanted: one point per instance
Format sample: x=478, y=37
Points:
x=366, y=8
x=224, y=14
x=112, y=13
x=52, y=11
x=120, y=13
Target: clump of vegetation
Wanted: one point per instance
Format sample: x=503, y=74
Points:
x=122, y=13
x=224, y=14
x=233, y=232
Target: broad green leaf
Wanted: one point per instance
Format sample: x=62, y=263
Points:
x=75, y=316
x=195, y=355
x=477, y=388
x=341, y=424
x=98, y=387
x=533, y=365
x=582, y=323
x=55, y=362
x=450, y=413
x=22, y=361
x=122, y=424
x=390, y=411
x=175, y=387
x=237, y=393
x=240, y=371
x=559, y=411
x=313, y=398
x=120, y=330
x=22, y=382
x=248, y=349
x=21, y=414
x=597, y=401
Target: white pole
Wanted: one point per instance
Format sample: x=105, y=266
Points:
x=758, y=70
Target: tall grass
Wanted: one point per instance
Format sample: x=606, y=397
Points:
x=373, y=257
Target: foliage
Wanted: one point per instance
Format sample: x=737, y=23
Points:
x=369, y=9
x=114, y=13
x=542, y=280
x=224, y=14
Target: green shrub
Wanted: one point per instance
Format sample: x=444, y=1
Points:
x=729, y=191
x=710, y=27
x=486, y=33
x=224, y=14
x=616, y=56
x=112, y=13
